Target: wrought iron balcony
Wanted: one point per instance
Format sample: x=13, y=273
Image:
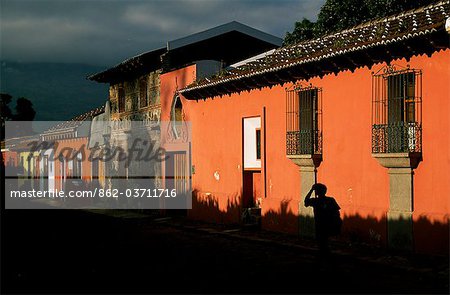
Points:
x=304, y=120
x=397, y=110
x=304, y=142
x=397, y=138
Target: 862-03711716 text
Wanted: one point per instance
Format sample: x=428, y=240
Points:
x=100, y=193
x=139, y=193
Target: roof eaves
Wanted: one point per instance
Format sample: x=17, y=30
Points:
x=234, y=75
x=99, y=77
x=222, y=29
x=73, y=123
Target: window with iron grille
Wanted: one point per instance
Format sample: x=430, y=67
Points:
x=304, y=121
x=153, y=94
x=258, y=143
x=176, y=115
x=397, y=111
x=121, y=99
x=143, y=99
x=154, y=88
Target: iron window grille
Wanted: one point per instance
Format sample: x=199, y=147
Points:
x=258, y=143
x=153, y=94
x=153, y=88
x=397, y=110
x=143, y=99
x=177, y=116
x=304, y=120
x=121, y=99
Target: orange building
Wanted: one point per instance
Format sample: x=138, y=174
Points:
x=54, y=159
x=145, y=88
x=68, y=155
x=364, y=111
x=9, y=157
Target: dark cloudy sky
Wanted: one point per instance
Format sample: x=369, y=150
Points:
x=105, y=32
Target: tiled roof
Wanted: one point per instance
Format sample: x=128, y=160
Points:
x=76, y=121
x=26, y=144
x=20, y=143
x=385, y=32
x=132, y=65
x=23, y=142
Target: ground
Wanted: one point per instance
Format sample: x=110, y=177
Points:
x=74, y=251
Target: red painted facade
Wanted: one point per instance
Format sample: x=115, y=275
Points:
x=354, y=178
x=10, y=158
x=74, y=144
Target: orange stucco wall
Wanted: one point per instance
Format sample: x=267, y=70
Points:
x=75, y=144
x=359, y=184
x=10, y=157
x=432, y=177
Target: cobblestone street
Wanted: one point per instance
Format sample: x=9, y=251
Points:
x=70, y=251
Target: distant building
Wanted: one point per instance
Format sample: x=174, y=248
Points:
x=67, y=149
x=21, y=161
x=55, y=159
x=144, y=89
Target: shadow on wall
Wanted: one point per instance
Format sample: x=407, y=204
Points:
x=205, y=207
x=421, y=235
x=368, y=230
x=431, y=237
x=283, y=219
x=354, y=229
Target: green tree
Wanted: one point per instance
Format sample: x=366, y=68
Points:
x=5, y=111
x=24, y=110
x=338, y=15
x=303, y=30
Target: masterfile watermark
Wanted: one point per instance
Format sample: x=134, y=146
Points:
x=140, y=150
x=98, y=164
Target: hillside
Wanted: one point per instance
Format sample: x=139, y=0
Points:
x=57, y=91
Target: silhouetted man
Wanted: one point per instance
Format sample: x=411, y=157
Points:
x=326, y=216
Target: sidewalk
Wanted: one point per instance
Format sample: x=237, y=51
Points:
x=438, y=265
x=417, y=262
